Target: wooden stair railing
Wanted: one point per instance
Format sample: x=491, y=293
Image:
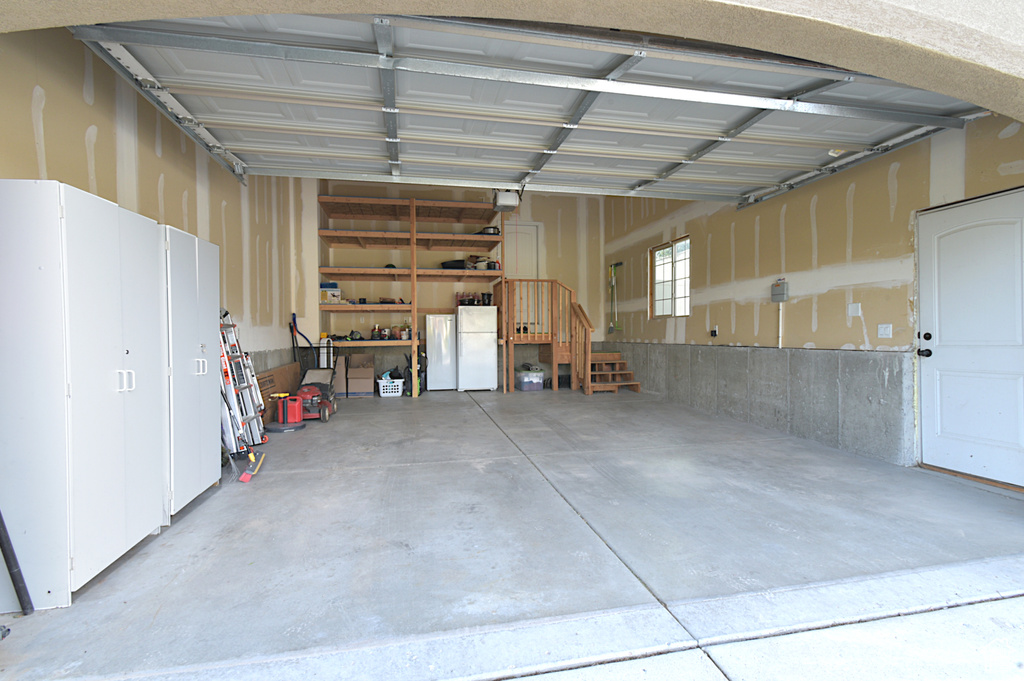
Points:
x=580, y=357
x=535, y=311
x=545, y=312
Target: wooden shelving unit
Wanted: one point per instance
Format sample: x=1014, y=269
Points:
x=411, y=211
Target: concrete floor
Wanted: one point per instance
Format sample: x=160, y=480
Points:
x=489, y=536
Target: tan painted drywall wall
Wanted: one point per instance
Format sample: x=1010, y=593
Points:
x=995, y=155
x=847, y=239
x=69, y=118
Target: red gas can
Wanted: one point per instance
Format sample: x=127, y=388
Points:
x=289, y=409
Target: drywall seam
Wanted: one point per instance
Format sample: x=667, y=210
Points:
x=276, y=314
x=202, y=193
x=582, y=262
x=126, y=142
x=947, y=167
x=185, y=212
x=307, y=262
x=246, y=220
x=90, y=156
x=38, y=102
x=160, y=200
x=88, y=81
x=158, y=137
x=893, y=184
x=782, y=239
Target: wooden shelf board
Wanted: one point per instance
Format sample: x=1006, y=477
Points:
x=367, y=273
x=405, y=274
x=361, y=208
x=375, y=343
x=426, y=241
x=327, y=307
x=459, y=276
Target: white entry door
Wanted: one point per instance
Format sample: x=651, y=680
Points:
x=972, y=337
x=522, y=241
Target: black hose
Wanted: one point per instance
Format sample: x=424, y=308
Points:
x=12, y=567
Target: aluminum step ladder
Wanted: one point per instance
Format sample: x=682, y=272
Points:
x=241, y=420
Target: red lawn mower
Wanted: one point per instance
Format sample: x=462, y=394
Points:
x=315, y=398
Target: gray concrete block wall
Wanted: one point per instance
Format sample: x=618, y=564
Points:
x=265, y=360
x=768, y=388
x=814, y=395
x=732, y=373
x=858, y=401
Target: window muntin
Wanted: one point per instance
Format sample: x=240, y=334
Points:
x=670, y=279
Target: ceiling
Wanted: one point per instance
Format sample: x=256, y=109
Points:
x=504, y=105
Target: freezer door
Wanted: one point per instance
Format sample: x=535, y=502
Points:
x=478, y=361
x=478, y=319
x=440, y=352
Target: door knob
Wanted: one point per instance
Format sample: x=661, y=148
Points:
x=925, y=353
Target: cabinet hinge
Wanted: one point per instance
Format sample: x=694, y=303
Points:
x=167, y=244
x=69, y=391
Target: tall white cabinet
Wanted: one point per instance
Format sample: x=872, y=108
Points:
x=85, y=413
x=193, y=269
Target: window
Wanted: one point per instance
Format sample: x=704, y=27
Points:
x=670, y=279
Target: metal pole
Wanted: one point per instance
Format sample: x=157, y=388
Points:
x=12, y=567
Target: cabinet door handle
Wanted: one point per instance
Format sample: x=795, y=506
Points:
x=206, y=366
x=131, y=374
x=122, y=381
x=199, y=367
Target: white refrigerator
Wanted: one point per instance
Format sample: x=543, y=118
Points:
x=440, y=352
x=477, y=348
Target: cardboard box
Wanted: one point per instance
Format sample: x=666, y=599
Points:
x=361, y=387
x=283, y=379
x=361, y=375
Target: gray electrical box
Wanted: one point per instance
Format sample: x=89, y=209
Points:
x=780, y=291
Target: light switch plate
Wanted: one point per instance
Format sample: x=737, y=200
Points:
x=853, y=310
x=885, y=330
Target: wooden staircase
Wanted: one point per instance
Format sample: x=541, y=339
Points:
x=544, y=312
x=608, y=373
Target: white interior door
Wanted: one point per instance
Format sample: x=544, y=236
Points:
x=972, y=337
x=522, y=241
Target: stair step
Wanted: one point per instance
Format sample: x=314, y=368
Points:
x=607, y=375
x=605, y=356
x=614, y=387
x=607, y=366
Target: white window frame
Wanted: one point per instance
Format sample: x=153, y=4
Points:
x=676, y=283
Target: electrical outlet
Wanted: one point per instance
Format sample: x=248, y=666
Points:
x=362, y=320
x=853, y=310
x=714, y=331
x=885, y=330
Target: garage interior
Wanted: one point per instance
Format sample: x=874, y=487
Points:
x=759, y=504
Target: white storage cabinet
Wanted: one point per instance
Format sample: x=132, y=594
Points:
x=193, y=294
x=83, y=354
